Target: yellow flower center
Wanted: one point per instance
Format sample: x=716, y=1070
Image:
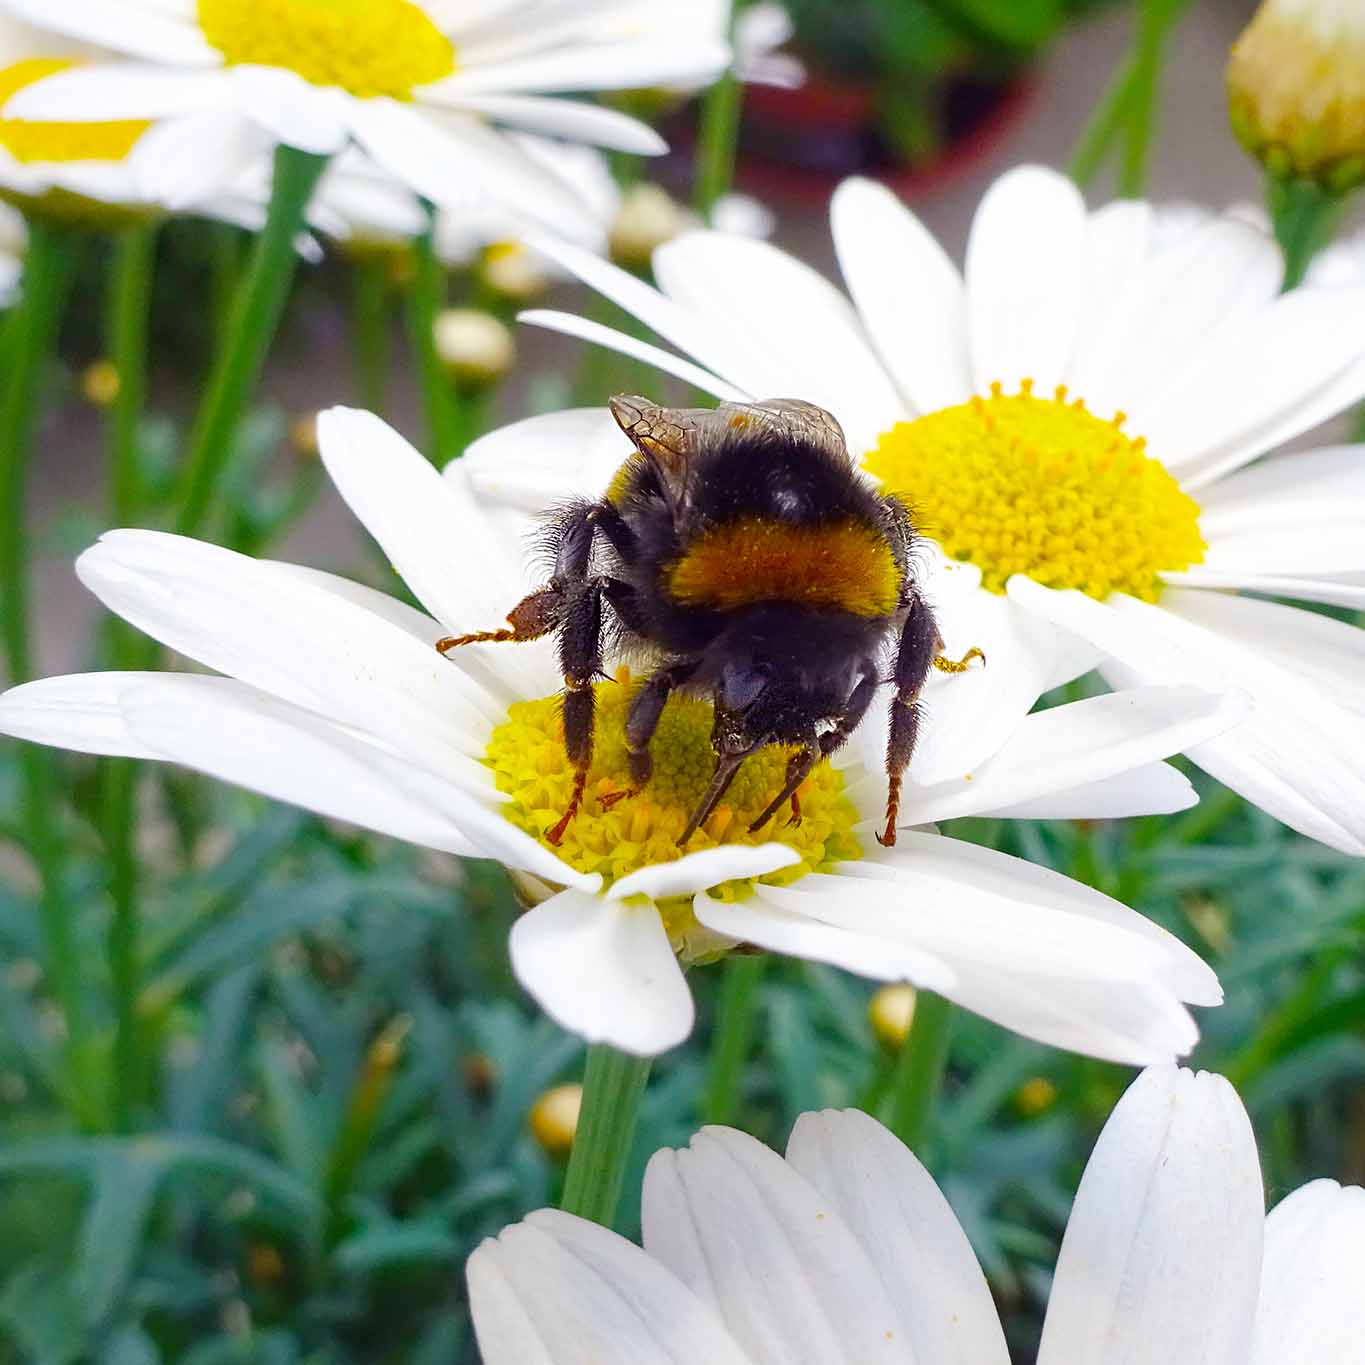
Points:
x=1040, y=486
x=526, y=754
x=33, y=142
x=367, y=47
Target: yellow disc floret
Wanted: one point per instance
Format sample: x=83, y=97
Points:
x=1039, y=486
x=526, y=754
x=367, y=47
x=31, y=142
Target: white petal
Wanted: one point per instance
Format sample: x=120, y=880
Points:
x=1156, y=789
x=747, y=1234
x=185, y=162
x=568, y=119
x=286, y=636
x=1023, y=287
x=1312, y=1302
x=799, y=935
x=613, y=66
x=1301, y=752
x=81, y=711
x=120, y=90
x=707, y=867
x=603, y=970
x=1317, y=485
x=557, y=1290
x=436, y=536
x=1170, y=313
x=121, y=27
x=1070, y=746
x=1337, y=590
x=1254, y=373
x=298, y=113
x=540, y=462
x=223, y=728
x=1294, y=547
x=1161, y=1258
x=570, y=324
x=908, y=291
x=909, y=1233
x=806, y=334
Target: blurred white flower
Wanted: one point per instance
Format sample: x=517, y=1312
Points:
x=1073, y=422
x=476, y=347
x=848, y=1251
x=422, y=86
x=335, y=699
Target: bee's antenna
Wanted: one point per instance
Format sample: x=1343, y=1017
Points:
x=727, y=765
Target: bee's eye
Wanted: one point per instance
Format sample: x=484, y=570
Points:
x=740, y=687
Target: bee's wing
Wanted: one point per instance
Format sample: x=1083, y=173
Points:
x=673, y=436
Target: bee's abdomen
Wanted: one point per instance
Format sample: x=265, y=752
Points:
x=844, y=565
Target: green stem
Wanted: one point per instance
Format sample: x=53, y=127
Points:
x=370, y=331
x=30, y=343
x=1304, y=216
x=718, y=136
x=130, y=296
x=426, y=299
x=733, y=1037
x=613, y=1085
x=919, y=1070
x=255, y=316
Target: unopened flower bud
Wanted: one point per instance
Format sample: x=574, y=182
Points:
x=474, y=346
x=648, y=217
x=891, y=1012
x=1036, y=1096
x=1296, y=90
x=514, y=271
x=303, y=435
x=554, y=1119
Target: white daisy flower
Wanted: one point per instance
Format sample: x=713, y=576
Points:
x=421, y=85
x=847, y=1251
x=335, y=699
x=13, y=244
x=1073, y=421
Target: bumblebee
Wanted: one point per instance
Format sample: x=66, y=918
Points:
x=741, y=554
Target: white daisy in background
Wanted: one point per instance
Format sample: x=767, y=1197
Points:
x=13, y=244
x=847, y=1251
x=423, y=87
x=1073, y=422
x=335, y=699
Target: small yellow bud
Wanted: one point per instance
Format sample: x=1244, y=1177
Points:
x=1035, y=1096
x=514, y=271
x=648, y=217
x=554, y=1119
x=475, y=347
x=100, y=383
x=303, y=435
x=1296, y=90
x=891, y=1012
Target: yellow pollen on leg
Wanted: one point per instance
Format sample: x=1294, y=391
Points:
x=367, y=47
x=1016, y=483
x=30, y=142
x=526, y=754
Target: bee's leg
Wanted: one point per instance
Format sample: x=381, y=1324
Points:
x=798, y=769
x=855, y=708
x=580, y=658
x=532, y=617
x=642, y=720
x=919, y=646
x=957, y=665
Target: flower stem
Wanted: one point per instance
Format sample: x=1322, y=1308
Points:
x=370, y=331
x=31, y=339
x=613, y=1085
x=1304, y=216
x=130, y=296
x=718, y=137
x=255, y=316
x=919, y=1070
x=426, y=299
x=733, y=1036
